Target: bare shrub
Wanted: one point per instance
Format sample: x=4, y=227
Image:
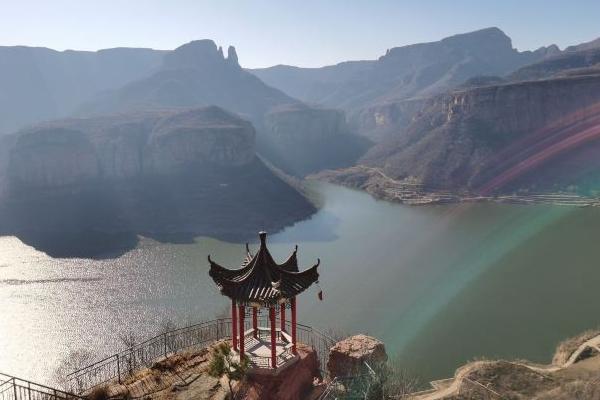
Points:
x=128, y=339
x=392, y=380
x=566, y=348
x=166, y=327
x=73, y=361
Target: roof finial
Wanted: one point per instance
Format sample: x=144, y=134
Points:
x=263, y=237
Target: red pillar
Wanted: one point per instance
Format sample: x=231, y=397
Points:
x=234, y=331
x=273, y=338
x=282, y=316
x=255, y=321
x=242, y=315
x=293, y=300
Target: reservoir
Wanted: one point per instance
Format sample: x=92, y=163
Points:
x=440, y=285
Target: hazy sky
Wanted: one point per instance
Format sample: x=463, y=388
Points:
x=299, y=32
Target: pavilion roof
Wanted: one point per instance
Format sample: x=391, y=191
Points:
x=261, y=280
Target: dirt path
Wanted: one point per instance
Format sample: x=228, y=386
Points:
x=463, y=372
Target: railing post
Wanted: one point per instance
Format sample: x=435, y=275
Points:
x=15, y=388
x=165, y=343
x=29, y=390
x=119, y=368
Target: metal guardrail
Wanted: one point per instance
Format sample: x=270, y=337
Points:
x=12, y=388
x=118, y=367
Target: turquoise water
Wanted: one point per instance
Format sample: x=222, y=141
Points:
x=440, y=285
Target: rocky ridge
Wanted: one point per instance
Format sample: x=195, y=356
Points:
x=367, y=89
x=524, y=137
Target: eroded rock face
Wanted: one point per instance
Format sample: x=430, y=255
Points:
x=211, y=136
x=51, y=157
x=309, y=139
x=75, y=152
x=386, y=119
x=347, y=357
x=471, y=139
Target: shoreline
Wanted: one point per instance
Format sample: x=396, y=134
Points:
x=382, y=187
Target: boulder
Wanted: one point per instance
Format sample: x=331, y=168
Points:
x=347, y=357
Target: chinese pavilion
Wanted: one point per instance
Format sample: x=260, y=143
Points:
x=261, y=284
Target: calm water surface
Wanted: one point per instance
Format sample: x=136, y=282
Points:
x=440, y=285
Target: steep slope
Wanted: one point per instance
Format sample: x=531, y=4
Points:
x=153, y=173
x=306, y=139
x=407, y=72
x=39, y=84
x=540, y=135
x=194, y=75
x=198, y=74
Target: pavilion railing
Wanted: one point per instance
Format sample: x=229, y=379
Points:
x=118, y=367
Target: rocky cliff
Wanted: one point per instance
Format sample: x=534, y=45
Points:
x=154, y=173
x=198, y=74
x=77, y=151
x=526, y=134
x=308, y=139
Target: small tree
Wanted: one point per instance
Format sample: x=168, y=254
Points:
x=223, y=363
x=129, y=339
x=391, y=381
x=73, y=361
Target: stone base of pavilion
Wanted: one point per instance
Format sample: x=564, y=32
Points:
x=293, y=380
x=258, y=349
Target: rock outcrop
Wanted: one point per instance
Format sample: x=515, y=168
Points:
x=348, y=357
x=195, y=75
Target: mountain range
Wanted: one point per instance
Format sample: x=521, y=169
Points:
x=367, y=89
x=534, y=129
x=466, y=113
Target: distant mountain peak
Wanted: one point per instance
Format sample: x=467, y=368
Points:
x=232, y=57
x=200, y=54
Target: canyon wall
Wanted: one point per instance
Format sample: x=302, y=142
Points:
x=467, y=138
x=78, y=151
x=306, y=139
x=153, y=173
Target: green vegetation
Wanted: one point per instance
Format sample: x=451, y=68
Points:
x=225, y=363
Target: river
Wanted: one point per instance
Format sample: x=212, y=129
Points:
x=439, y=284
